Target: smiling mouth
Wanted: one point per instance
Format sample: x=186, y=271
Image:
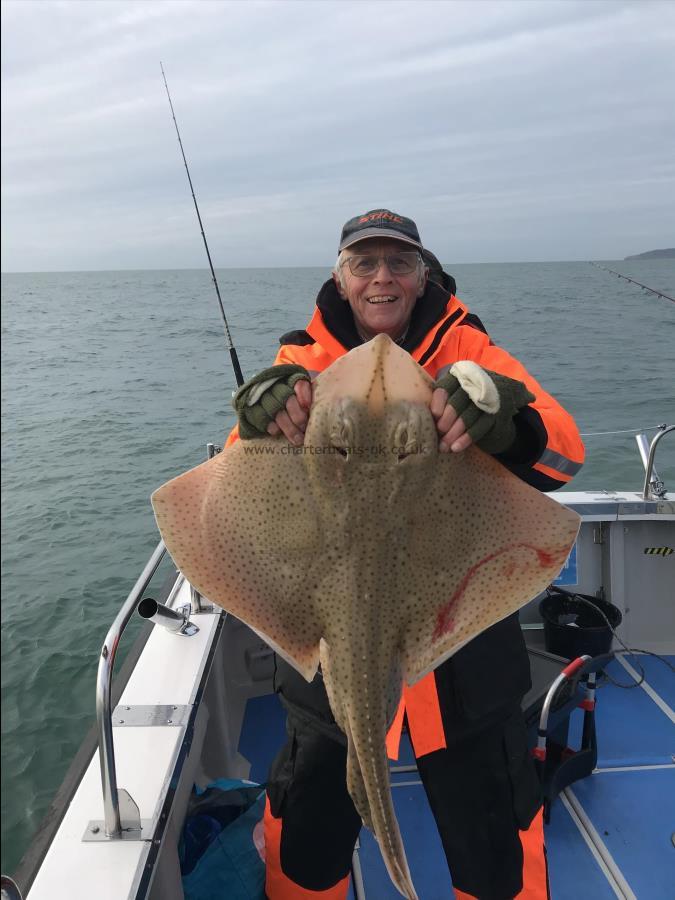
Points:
x=384, y=299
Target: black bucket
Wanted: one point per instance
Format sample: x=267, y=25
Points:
x=573, y=628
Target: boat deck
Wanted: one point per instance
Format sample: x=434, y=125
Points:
x=610, y=835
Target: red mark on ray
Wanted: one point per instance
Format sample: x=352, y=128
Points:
x=545, y=558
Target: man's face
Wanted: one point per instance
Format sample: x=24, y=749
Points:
x=382, y=303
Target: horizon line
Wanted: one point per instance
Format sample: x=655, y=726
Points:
x=328, y=266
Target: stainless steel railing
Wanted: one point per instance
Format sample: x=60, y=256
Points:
x=106, y=748
x=654, y=488
x=111, y=804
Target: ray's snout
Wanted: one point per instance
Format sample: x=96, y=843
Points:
x=375, y=374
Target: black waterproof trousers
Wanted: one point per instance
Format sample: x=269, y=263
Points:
x=482, y=788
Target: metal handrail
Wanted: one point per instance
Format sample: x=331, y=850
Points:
x=111, y=805
x=658, y=489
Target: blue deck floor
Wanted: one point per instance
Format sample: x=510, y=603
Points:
x=631, y=811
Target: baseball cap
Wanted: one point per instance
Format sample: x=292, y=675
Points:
x=379, y=223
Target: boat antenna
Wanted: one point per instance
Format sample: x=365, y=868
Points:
x=230, y=346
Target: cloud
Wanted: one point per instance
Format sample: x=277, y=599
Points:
x=295, y=115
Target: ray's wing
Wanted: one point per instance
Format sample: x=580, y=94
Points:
x=484, y=545
x=243, y=529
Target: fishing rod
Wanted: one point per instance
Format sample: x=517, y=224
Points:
x=230, y=345
x=633, y=281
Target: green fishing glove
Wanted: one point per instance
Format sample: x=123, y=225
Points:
x=259, y=400
x=486, y=402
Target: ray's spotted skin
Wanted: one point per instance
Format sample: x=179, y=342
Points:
x=365, y=550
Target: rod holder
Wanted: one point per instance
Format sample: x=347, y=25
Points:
x=175, y=620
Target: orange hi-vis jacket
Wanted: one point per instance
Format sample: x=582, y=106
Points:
x=547, y=453
x=454, y=334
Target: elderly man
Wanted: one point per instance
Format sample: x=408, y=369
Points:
x=464, y=719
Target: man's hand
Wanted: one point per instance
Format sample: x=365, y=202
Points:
x=451, y=429
x=274, y=401
x=292, y=420
x=475, y=405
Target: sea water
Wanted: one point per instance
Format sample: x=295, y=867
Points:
x=113, y=382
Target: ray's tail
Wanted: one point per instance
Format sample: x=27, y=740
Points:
x=369, y=787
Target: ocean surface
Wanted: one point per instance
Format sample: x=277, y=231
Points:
x=113, y=382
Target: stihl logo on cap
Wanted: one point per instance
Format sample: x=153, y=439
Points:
x=378, y=216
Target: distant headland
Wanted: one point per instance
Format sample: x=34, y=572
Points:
x=668, y=253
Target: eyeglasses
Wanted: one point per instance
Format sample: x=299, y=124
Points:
x=402, y=263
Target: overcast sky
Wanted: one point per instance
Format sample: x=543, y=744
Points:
x=507, y=130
